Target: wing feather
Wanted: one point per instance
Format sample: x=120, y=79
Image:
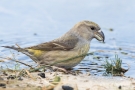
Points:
x=58, y=44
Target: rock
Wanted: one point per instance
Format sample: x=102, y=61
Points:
x=11, y=77
x=20, y=79
x=41, y=75
x=67, y=87
x=3, y=85
x=119, y=87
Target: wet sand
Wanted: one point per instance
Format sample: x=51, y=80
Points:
x=33, y=81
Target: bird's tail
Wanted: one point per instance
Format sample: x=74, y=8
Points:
x=22, y=50
x=16, y=48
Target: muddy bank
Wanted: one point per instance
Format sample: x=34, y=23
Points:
x=61, y=81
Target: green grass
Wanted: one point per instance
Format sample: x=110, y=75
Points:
x=114, y=67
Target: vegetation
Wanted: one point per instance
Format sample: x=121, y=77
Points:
x=114, y=67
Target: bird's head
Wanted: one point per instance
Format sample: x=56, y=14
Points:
x=89, y=30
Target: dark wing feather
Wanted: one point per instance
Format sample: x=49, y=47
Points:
x=59, y=44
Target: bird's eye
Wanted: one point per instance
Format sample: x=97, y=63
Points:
x=92, y=28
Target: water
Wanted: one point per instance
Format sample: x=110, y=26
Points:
x=32, y=22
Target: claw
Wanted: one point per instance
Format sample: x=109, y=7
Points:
x=59, y=69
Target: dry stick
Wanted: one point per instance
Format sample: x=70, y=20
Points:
x=21, y=62
x=17, y=45
x=36, y=69
x=128, y=66
x=14, y=59
x=8, y=58
x=28, y=73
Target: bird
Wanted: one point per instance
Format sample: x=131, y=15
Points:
x=73, y=43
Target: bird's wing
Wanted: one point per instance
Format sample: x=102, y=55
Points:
x=59, y=44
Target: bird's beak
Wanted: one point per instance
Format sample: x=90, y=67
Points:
x=100, y=36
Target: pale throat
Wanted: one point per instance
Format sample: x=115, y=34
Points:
x=85, y=49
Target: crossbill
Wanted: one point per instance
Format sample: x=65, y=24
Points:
x=73, y=43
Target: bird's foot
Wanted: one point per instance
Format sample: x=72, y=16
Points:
x=59, y=69
x=63, y=70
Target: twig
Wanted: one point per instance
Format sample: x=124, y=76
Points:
x=36, y=69
x=17, y=45
x=28, y=73
x=8, y=58
x=128, y=66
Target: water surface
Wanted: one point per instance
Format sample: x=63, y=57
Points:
x=32, y=22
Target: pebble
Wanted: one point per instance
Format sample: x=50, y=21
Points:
x=119, y=87
x=11, y=77
x=41, y=75
x=3, y=85
x=20, y=79
x=67, y=87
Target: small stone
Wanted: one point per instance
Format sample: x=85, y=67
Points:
x=11, y=77
x=41, y=75
x=67, y=87
x=119, y=87
x=5, y=73
x=20, y=79
x=3, y=85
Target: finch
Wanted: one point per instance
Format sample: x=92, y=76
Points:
x=73, y=43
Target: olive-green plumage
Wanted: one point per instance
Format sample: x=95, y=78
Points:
x=73, y=43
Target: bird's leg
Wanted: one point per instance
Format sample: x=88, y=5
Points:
x=67, y=71
x=59, y=69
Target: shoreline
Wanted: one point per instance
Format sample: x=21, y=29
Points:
x=32, y=81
